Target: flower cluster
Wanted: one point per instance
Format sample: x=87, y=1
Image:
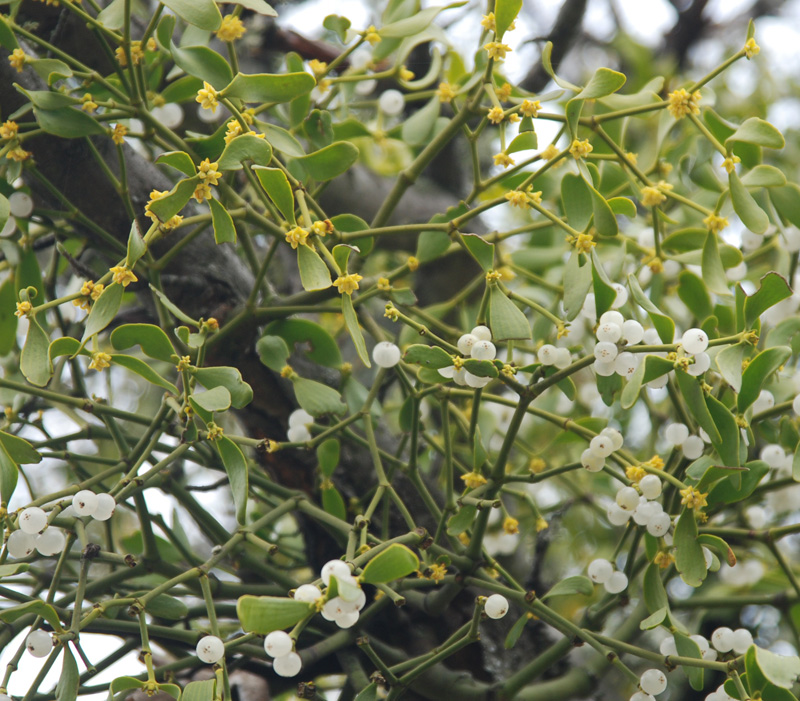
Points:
x=681, y=102
x=230, y=29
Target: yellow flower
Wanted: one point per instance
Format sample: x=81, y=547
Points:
x=680, y=103
x=100, y=361
x=495, y=115
x=655, y=462
x=693, y=498
x=23, y=309
x=584, y=242
x=729, y=164
x=207, y=97
x=154, y=195
x=530, y=108
x=384, y=284
x=405, y=74
x=287, y=371
x=208, y=172
x=632, y=157
x=473, y=480
x=151, y=44
x=184, y=363
x=446, y=92
x=550, y=152
x=541, y=524
x=297, y=237
x=18, y=154
x=513, y=118
x=249, y=116
x=437, y=572
x=118, y=134
x=488, y=22
x=123, y=276
x=17, y=59
x=322, y=227
x=497, y=50
x=172, y=223
x=715, y=223
x=751, y=48
x=503, y=92
x=536, y=465
x=9, y=130
x=234, y=130
x=391, y=312
x=202, y=192
x=503, y=159
x=413, y=263
x=652, y=197
x=562, y=330
x=371, y=35
x=655, y=264
x=318, y=68
x=214, y=432
x=87, y=104
x=511, y=525
x=580, y=149
x=663, y=559
x=347, y=284
x=136, y=54
x=230, y=29
x=210, y=324
x=635, y=473
x=518, y=198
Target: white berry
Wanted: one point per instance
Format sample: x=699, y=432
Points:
x=625, y=364
x=650, y=486
x=85, y=502
x=390, y=102
x=773, y=455
x=605, y=352
x=20, y=544
x=300, y=417
x=693, y=447
x=466, y=342
x=298, y=434
x=346, y=619
x=106, y=505
x=653, y=681
x=676, y=434
x=592, y=461
x=616, y=583
x=617, y=516
x=622, y=295
x=563, y=358
x=742, y=640
x=32, y=520
x=288, y=665
x=667, y=647
x=51, y=542
x=39, y=643
x=722, y=639
x=20, y=204
x=628, y=498
x=308, y=593
x=483, y=333
x=609, y=332
x=600, y=570
x=612, y=317
x=337, y=568
x=547, y=354
x=278, y=643
x=694, y=341
x=210, y=649
x=496, y=606
x=702, y=643
x=632, y=332
x=476, y=381
x=602, y=445
x=659, y=525
x=484, y=350
x=617, y=440
x=642, y=696
x=386, y=354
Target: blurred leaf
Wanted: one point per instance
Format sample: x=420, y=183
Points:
x=662, y=323
x=515, y=632
x=200, y=691
x=317, y=399
x=752, y=216
x=695, y=400
x=577, y=201
x=774, y=288
x=729, y=362
x=316, y=342
x=757, y=371
x=724, y=420
x=337, y=24
x=8, y=320
x=38, y=608
x=9, y=473
x=461, y=520
x=201, y=13
x=689, y=559
x=577, y=584
x=328, y=456
x=576, y=282
x=764, y=176
x=694, y=294
x=354, y=329
x=417, y=130
x=273, y=352
x=655, y=596
x=689, y=648
x=713, y=270
x=757, y=131
x=787, y=201
x=332, y=502
x=416, y=23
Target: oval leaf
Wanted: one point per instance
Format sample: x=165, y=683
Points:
x=263, y=614
x=394, y=562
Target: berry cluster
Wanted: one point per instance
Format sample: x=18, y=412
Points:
x=652, y=683
x=602, y=571
x=677, y=435
x=475, y=344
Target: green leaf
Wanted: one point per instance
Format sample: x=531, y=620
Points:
x=689, y=559
x=180, y=160
x=431, y=245
x=201, y=62
x=655, y=619
x=216, y=399
x=67, y=122
x=317, y=125
x=354, y=328
x=103, y=310
x=416, y=23
x=263, y=614
x=428, y=356
x=112, y=15
x=604, y=293
x=577, y=584
x=694, y=294
x=752, y=216
x=577, y=201
x=11, y=570
x=604, y=219
x=277, y=187
x=505, y=12
x=328, y=162
x=317, y=399
x=224, y=230
x=152, y=339
x=9, y=473
x=774, y=288
x=394, y=562
x=338, y=25
x=604, y=82
x=481, y=250
x=461, y=520
x=123, y=684
x=729, y=492
x=229, y=378
x=656, y=366
x=689, y=648
x=270, y=87
x=245, y=147
x=136, y=246
x=37, y=608
x=481, y=368
x=713, y=270
x=314, y=274
x=728, y=446
x=368, y=693
x=320, y=345
x=662, y=323
x=723, y=550
x=50, y=69
x=577, y=281
x=35, y=357
x=328, y=456
x=8, y=321
x=505, y=318
x=655, y=596
x=332, y=502
x=259, y=6
x=515, y=632
x=764, y=176
x=780, y=670
x=273, y=352
x=418, y=129
x=787, y=201
x=757, y=131
x=631, y=391
x=69, y=681
x=143, y=370
x=200, y=13
x=341, y=255
x=757, y=371
x=729, y=362
x=623, y=205
x=176, y=200
x=236, y=469
x=200, y=691
x=7, y=38
x=525, y=141
x=19, y=449
x=166, y=606
x=695, y=400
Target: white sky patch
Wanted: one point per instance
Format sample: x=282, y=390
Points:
x=647, y=22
